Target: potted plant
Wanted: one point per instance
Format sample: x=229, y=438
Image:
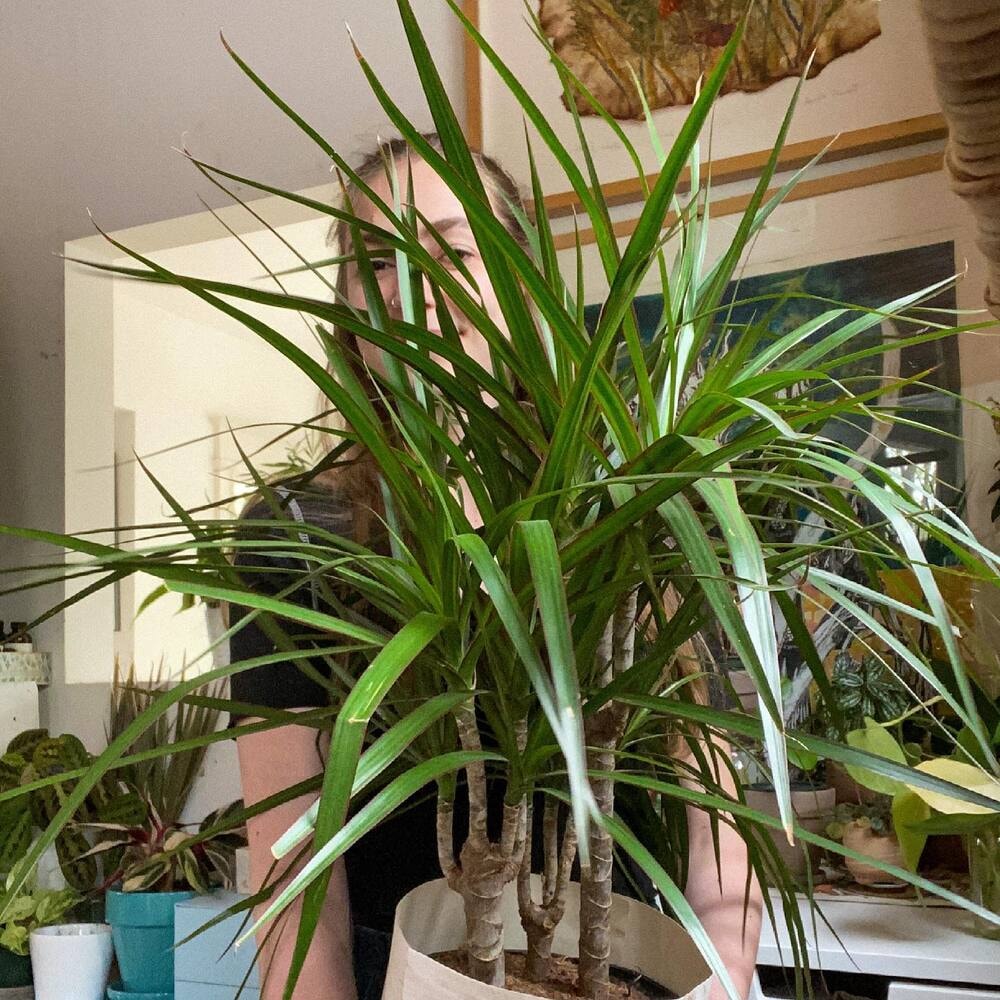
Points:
x=621, y=487
x=31, y=908
x=157, y=864
x=31, y=757
x=860, y=688
x=866, y=828
x=813, y=804
x=151, y=859
x=920, y=812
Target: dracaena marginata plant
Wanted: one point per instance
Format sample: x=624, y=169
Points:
x=626, y=490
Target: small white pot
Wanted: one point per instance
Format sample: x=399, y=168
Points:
x=71, y=961
x=431, y=919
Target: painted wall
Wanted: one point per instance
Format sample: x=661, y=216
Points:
x=94, y=97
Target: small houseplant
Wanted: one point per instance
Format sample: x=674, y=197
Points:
x=30, y=908
x=30, y=758
x=919, y=812
x=860, y=687
x=866, y=828
x=622, y=499
x=151, y=859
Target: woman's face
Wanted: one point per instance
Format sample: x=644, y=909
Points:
x=444, y=212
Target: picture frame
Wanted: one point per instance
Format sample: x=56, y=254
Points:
x=899, y=131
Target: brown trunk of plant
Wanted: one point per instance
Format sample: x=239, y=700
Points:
x=484, y=878
x=483, y=867
x=541, y=920
x=595, y=879
x=604, y=731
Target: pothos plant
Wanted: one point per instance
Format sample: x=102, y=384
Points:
x=32, y=908
x=623, y=484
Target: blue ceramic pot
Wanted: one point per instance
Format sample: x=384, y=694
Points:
x=142, y=926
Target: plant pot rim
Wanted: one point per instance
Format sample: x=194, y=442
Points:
x=72, y=929
x=143, y=909
x=798, y=785
x=643, y=938
x=853, y=824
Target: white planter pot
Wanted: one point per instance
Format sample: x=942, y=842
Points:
x=430, y=919
x=71, y=961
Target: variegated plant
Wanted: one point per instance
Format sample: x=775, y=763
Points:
x=156, y=855
x=626, y=488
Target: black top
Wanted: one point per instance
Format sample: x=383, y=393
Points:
x=401, y=852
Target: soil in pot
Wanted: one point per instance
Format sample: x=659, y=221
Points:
x=561, y=984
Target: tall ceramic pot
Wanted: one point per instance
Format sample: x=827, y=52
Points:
x=430, y=919
x=142, y=924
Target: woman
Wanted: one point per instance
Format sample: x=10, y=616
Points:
x=367, y=885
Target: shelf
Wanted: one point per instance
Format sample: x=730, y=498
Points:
x=888, y=938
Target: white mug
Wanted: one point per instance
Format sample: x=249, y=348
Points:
x=71, y=961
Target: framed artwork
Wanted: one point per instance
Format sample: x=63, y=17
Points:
x=873, y=243
x=927, y=458
x=870, y=88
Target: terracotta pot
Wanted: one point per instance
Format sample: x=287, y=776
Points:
x=745, y=690
x=430, y=919
x=884, y=847
x=813, y=808
x=847, y=789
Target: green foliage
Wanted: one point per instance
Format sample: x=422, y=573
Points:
x=165, y=781
x=864, y=688
x=875, y=739
x=875, y=816
x=32, y=757
x=606, y=471
x=31, y=909
x=140, y=836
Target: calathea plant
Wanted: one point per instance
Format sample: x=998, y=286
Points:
x=621, y=484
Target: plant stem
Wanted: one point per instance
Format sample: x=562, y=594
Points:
x=540, y=920
x=483, y=867
x=604, y=730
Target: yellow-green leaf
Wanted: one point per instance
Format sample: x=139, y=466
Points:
x=877, y=740
x=966, y=776
x=908, y=808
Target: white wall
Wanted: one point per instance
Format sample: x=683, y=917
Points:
x=94, y=97
x=152, y=370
